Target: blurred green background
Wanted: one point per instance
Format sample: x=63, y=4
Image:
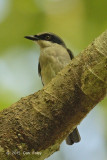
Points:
x=78, y=22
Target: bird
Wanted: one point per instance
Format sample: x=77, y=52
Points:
x=54, y=56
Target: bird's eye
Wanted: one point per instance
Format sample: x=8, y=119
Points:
x=47, y=37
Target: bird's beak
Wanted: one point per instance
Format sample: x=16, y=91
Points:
x=33, y=38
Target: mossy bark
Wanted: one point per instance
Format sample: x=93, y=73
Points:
x=34, y=127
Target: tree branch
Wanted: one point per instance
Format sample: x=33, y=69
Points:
x=35, y=126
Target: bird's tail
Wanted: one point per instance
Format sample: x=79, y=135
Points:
x=73, y=137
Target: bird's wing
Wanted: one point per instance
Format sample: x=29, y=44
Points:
x=70, y=53
x=39, y=69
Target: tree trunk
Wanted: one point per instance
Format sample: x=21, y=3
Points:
x=34, y=127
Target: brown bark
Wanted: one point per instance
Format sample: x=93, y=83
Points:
x=38, y=123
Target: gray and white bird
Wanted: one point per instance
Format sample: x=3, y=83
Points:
x=54, y=56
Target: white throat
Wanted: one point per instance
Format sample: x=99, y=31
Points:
x=44, y=43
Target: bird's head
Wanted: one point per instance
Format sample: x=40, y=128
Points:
x=46, y=39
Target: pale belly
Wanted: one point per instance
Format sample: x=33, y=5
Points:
x=50, y=71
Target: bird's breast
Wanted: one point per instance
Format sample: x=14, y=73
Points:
x=52, y=60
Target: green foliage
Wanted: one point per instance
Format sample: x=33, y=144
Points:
x=24, y=17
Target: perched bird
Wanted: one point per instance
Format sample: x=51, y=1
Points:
x=54, y=56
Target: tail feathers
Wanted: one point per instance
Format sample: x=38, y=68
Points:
x=73, y=137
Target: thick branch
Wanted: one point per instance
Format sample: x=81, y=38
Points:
x=38, y=123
